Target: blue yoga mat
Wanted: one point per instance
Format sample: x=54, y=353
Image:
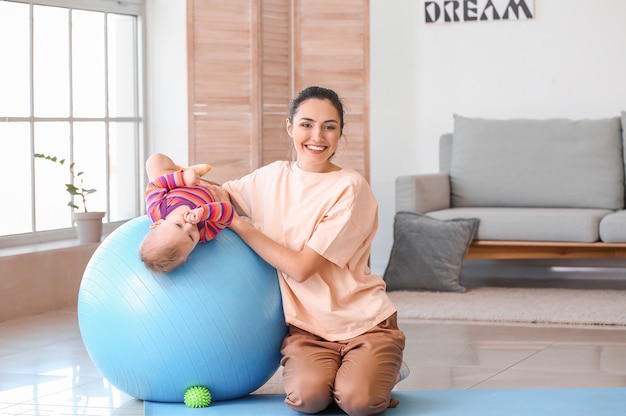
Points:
x=509, y=402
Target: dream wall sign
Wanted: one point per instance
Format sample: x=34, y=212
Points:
x=450, y=11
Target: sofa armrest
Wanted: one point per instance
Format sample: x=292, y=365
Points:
x=423, y=193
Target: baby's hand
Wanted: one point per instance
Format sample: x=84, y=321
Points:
x=191, y=177
x=193, y=216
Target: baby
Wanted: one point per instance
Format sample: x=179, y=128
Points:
x=183, y=211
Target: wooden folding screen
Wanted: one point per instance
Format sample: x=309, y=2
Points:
x=247, y=59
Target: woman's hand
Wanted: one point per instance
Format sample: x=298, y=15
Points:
x=219, y=193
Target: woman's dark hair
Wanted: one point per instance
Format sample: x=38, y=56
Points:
x=319, y=93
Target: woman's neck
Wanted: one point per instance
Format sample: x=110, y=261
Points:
x=322, y=168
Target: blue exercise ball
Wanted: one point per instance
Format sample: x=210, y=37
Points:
x=216, y=321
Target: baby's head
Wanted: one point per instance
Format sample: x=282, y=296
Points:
x=168, y=244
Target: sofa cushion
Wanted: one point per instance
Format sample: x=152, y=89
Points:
x=532, y=224
x=547, y=163
x=427, y=253
x=613, y=228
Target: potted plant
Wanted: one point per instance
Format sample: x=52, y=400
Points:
x=88, y=223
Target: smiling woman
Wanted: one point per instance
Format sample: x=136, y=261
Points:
x=70, y=87
x=316, y=229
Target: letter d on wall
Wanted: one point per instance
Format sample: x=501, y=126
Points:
x=432, y=11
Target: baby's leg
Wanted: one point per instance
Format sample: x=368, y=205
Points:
x=158, y=164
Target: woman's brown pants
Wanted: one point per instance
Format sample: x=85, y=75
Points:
x=358, y=374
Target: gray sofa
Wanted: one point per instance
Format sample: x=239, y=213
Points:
x=545, y=188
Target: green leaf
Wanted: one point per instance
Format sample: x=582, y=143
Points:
x=72, y=189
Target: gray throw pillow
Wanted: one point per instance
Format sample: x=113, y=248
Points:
x=427, y=253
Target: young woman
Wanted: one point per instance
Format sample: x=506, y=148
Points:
x=314, y=222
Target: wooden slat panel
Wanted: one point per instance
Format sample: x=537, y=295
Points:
x=332, y=50
x=276, y=143
x=223, y=96
x=229, y=155
x=276, y=79
x=247, y=58
x=223, y=52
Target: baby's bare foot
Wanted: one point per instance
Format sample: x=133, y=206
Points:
x=201, y=169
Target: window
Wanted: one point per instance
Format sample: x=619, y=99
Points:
x=71, y=87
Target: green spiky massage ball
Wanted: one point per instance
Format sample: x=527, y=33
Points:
x=197, y=396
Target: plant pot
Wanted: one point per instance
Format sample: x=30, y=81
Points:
x=89, y=226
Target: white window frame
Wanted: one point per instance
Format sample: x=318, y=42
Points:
x=127, y=7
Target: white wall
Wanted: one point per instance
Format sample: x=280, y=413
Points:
x=166, y=88
x=568, y=61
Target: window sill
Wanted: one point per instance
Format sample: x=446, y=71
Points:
x=64, y=239
x=41, y=247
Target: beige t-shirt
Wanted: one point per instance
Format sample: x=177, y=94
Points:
x=335, y=214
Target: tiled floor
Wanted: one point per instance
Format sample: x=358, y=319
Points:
x=45, y=370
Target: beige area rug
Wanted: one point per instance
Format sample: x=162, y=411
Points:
x=516, y=306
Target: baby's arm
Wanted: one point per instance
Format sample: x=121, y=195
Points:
x=217, y=212
x=157, y=189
